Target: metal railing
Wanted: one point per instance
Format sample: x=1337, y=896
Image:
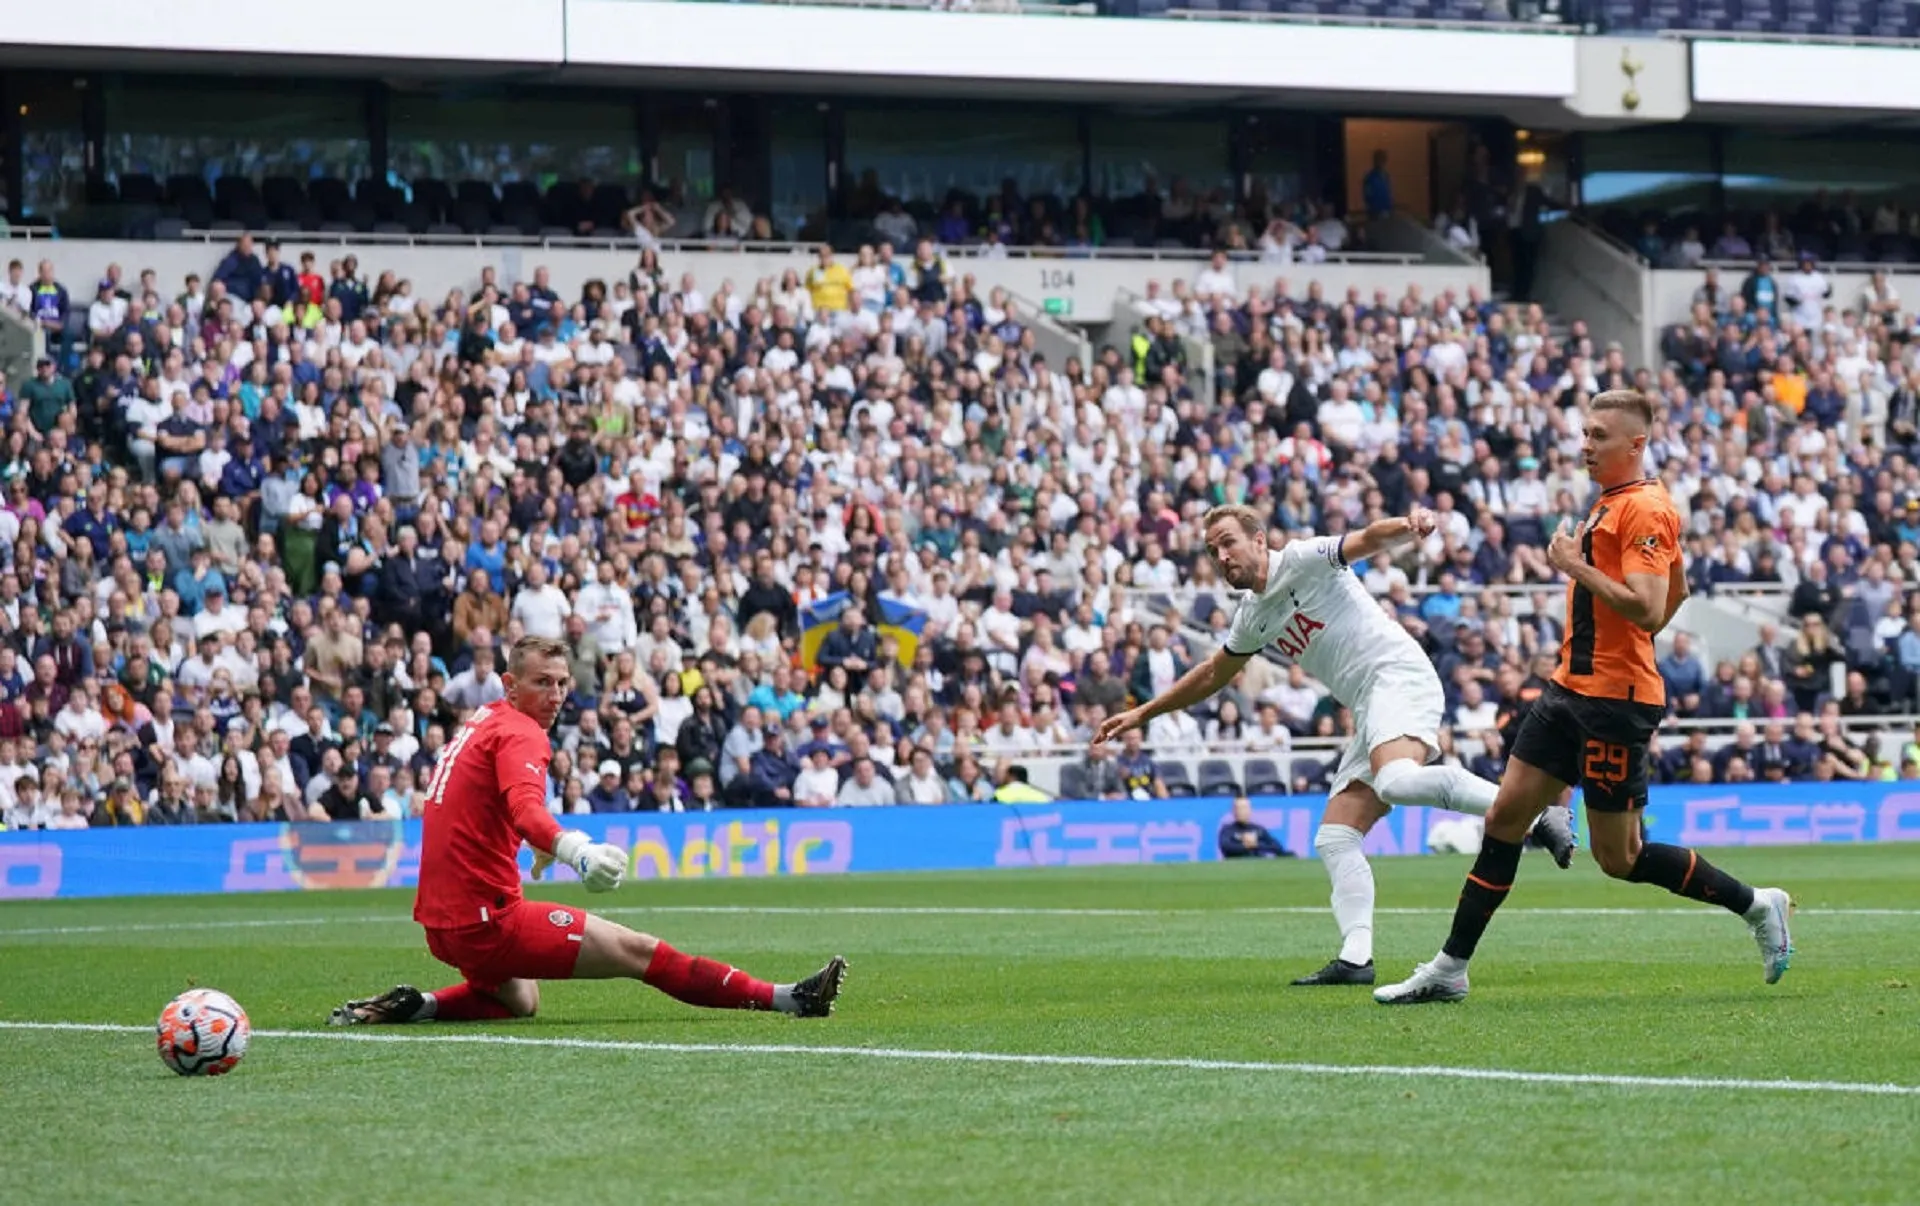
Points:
x=1311, y=755
x=627, y=243
x=1734, y=35
x=1862, y=266
x=1489, y=25
x=1900, y=724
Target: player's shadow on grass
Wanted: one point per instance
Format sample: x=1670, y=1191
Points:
x=1674, y=994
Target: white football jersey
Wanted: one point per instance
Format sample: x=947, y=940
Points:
x=1315, y=610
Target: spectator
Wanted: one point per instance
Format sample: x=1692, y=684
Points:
x=864, y=787
x=607, y=794
x=1685, y=677
x=829, y=286
x=770, y=774
x=49, y=306
x=850, y=647
x=818, y=784
x=47, y=396
x=1376, y=188
x=1243, y=837
x=1139, y=776
x=922, y=783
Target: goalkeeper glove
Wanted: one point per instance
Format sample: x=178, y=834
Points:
x=600, y=865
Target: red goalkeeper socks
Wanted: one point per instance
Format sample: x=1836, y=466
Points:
x=705, y=983
x=464, y=1003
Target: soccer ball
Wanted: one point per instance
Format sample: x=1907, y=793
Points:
x=202, y=1032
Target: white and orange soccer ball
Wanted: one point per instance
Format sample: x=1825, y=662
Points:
x=202, y=1032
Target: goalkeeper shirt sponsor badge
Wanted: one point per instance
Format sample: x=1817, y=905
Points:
x=561, y=918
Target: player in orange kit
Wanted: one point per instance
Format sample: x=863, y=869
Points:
x=1592, y=724
x=488, y=793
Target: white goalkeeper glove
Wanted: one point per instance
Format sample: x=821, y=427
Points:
x=600, y=865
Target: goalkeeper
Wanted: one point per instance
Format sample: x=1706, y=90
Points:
x=487, y=793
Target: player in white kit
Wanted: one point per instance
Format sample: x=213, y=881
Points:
x=1307, y=603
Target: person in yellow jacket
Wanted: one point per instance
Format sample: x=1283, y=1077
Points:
x=1016, y=790
x=830, y=285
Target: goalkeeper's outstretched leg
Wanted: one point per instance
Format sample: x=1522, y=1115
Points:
x=503, y=962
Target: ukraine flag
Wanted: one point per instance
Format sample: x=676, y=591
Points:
x=904, y=623
x=816, y=621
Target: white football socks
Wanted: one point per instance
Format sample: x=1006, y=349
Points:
x=1339, y=849
x=1403, y=783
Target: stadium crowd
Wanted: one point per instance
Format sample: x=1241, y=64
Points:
x=266, y=534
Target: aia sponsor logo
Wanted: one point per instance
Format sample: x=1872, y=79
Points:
x=1293, y=639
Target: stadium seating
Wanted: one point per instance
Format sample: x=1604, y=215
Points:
x=563, y=400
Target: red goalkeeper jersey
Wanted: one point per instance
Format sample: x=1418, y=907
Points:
x=487, y=793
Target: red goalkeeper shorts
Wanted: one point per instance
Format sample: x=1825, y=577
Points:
x=530, y=941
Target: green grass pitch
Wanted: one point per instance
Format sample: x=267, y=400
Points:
x=1177, y=973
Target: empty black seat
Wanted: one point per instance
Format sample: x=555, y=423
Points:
x=1264, y=778
x=138, y=188
x=476, y=192
x=519, y=194
x=434, y=194
x=184, y=189
x=1175, y=775
x=1217, y=778
x=328, y=191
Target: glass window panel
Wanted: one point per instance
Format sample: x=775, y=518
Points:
x=921, y=155
x=799, y=168
x=53, y=150
x=684, y=159
x=500, y=139
x=1649, y=169
x=1130, y=151
x=1771, y=167
x=1277, y=158
x=253, y=129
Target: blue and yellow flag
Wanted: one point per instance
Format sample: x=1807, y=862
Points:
x=816, y=621
x=904, y=623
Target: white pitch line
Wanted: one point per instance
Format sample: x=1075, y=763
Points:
x=898, y=911
x=911, y=1054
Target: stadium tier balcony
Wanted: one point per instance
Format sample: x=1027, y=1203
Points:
x=140, y=206
x=1832, y=228
x=1881, y=19
x=1366, y=12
